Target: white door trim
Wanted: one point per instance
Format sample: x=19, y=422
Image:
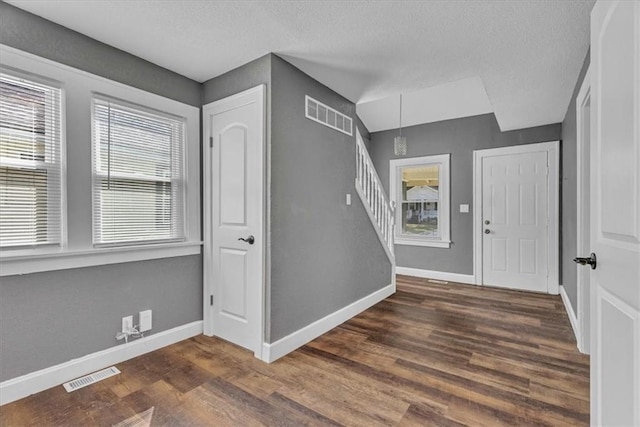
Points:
x=582, y=226
x=553, y=152
x=260, y=92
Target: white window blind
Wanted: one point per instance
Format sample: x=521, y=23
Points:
x=138, y=164
x=30, y=163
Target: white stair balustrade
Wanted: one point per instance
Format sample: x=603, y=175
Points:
x=371, y=192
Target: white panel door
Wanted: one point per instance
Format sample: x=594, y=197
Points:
x=234, y=238
x=615, y=213
x=514, y=221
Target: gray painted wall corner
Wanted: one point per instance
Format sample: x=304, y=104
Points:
x=324, y=254
x=244, y=77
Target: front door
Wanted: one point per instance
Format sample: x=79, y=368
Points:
x=615, y=213
x=234, y=238
x=515, y=217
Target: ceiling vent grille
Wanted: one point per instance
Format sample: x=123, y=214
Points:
x=321, y=113
x=90, y=379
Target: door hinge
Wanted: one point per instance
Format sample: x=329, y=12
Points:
x=211, y=299
x=211, y=141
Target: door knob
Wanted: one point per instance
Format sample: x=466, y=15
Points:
x=250, y=240
x=592, y=261
x=487, y=231
x=486, y=221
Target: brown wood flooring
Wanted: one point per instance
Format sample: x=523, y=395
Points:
x=432, y=354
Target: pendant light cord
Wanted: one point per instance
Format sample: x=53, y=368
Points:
x=400, y=126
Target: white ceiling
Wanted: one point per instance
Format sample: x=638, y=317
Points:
x=526, y=54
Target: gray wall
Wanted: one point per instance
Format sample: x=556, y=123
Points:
x=49, y=318
x=458, y=137
x=568, y=194
x=52, y=317
x=364, y=132
x=324, y=254
x=245, y=77
x=31, y=33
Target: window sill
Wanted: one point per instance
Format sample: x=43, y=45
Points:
x=425, y=243
x=40, y=261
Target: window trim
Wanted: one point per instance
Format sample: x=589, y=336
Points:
x=444, y=217
x=60, y=166
x=77, y=249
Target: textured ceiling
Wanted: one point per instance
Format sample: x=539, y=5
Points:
x=527, y=54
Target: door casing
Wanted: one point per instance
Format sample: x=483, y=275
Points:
x=583, y=242
x=553, y=238
x=260, y=234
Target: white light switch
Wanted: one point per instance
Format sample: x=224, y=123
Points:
x=464, y=208
x=348, y=199
x=145, y=320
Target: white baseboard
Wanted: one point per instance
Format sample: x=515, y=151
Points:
x=274, y=351
x=34, y=382
x=437, y=275
x=572, y=314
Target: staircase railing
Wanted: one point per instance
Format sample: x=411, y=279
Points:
x=369, y=187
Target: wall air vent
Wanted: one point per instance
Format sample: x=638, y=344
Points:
x=321, y=113
x=90, y=379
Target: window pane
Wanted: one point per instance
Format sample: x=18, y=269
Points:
x=30, y=173
x=135, y=210
x=420, y=200
x=22, y=120
x=23, y=200
x=138, y=166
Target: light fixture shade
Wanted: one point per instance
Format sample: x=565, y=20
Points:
x=400, y=146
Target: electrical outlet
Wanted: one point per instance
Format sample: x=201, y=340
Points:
x=127, y=324
x=145, y=320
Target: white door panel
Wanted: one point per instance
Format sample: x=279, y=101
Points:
x=234, y=268
x=615, y=213
x=514, y=213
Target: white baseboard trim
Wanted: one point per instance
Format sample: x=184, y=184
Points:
x=437, y=275
x=34, y=382
x=572, y=314
x=274, y=351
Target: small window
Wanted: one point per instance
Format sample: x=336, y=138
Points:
x=138, y=174
x=30, y=163
x=420, y=189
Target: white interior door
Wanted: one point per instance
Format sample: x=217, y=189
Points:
x=234, y=268
x=615, y=213
x=517, y=219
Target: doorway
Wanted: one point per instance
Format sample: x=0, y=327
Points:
x=516, y=217
x=234, y=216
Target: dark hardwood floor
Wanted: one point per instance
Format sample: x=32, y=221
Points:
x=432, y=354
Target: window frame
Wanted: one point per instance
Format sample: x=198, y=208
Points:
x=57, y=201
x=77, y=249
x=180, y=182
x=444, y=208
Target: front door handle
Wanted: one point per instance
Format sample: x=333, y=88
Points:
x=487, y=231
x=250, y=240
x=592, y=261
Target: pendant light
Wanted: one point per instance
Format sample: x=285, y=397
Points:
x=400, y=142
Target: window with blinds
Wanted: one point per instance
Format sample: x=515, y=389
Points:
x=138, y=165
x=30, y=163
